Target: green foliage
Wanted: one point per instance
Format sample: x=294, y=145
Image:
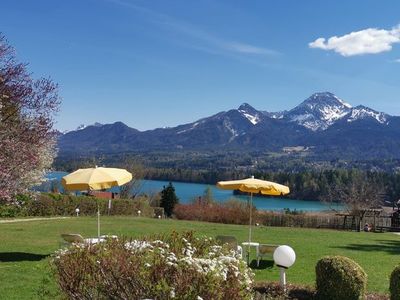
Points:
x=48, y=204
x=9, y=211
x=338, y=278
x=168, y=199
x=47, y=288
x=173, y=266
x=395, y=284
x=228, y=212
x=23, y=198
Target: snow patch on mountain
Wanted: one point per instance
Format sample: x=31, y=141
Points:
x=83, y=126
x=362, y=112
x=80, y=127
x=229, y=126
x=332, y=113
x=194, y=125
x=278, y=115
x=250, y=113
x=343, y=102
x=253, y=119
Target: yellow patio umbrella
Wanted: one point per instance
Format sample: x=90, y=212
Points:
x=252, y=185
x=95, y=179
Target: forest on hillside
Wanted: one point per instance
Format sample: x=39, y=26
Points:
x=307, y=179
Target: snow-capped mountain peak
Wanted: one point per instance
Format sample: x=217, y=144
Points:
x=324, y=98
x=83, y=126
x=319, y=111
x=250, y=113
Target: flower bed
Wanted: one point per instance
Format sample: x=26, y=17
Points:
x=178, y=266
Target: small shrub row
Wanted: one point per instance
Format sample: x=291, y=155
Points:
x=175, y=266
x=64, y=205
x=298, y=219
x=229, y=212
x=237, y=212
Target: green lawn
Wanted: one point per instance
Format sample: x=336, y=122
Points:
x=24, y=247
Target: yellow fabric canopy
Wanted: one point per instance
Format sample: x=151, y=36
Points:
x=252, y=185
x=95, y=179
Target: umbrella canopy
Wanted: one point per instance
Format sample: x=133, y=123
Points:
x=95, y=179
x=252, y=185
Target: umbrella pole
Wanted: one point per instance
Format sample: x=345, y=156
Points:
x=250, y=221
x=98, y=220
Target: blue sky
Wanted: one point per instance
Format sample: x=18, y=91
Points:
x=163, y=63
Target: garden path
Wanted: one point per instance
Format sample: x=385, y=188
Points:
x=32, y=219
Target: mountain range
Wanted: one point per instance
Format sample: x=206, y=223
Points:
x=322, y=125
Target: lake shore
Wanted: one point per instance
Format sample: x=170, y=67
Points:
x=188, y=192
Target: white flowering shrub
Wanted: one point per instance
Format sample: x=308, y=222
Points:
x=176, y=266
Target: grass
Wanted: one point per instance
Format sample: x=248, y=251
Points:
x=25, y=248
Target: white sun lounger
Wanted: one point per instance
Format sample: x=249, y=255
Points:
x=78, y=239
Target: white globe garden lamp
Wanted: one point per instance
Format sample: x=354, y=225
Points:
x=284, y=257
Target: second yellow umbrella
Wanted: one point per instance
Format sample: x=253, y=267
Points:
x=254, y=186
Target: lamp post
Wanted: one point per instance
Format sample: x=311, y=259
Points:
x=284, y=257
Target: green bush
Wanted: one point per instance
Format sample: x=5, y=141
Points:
x=47, y=204
x=9, y=211
x=395, y=284
x=229, y=212
x=175, y=266
x=338, y=278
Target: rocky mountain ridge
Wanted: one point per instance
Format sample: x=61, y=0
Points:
x=323, y=122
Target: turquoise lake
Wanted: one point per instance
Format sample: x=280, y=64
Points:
x=186, y=192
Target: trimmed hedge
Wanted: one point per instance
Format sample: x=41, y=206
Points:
x=229, y=212
x=339, y=278
x=47, y=204
x=395, y=284
x=237, y=212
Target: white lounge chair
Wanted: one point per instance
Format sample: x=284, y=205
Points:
x=265, y=250
x=232, y=243
x=78, y=239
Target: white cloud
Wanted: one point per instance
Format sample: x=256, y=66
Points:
x=248, y=49
x=197, y=38
x=397, y=60
x=367, y=41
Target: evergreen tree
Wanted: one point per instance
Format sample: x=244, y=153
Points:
x=208, y=197
x=168, y=199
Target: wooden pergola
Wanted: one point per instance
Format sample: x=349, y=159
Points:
x=358, y=217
